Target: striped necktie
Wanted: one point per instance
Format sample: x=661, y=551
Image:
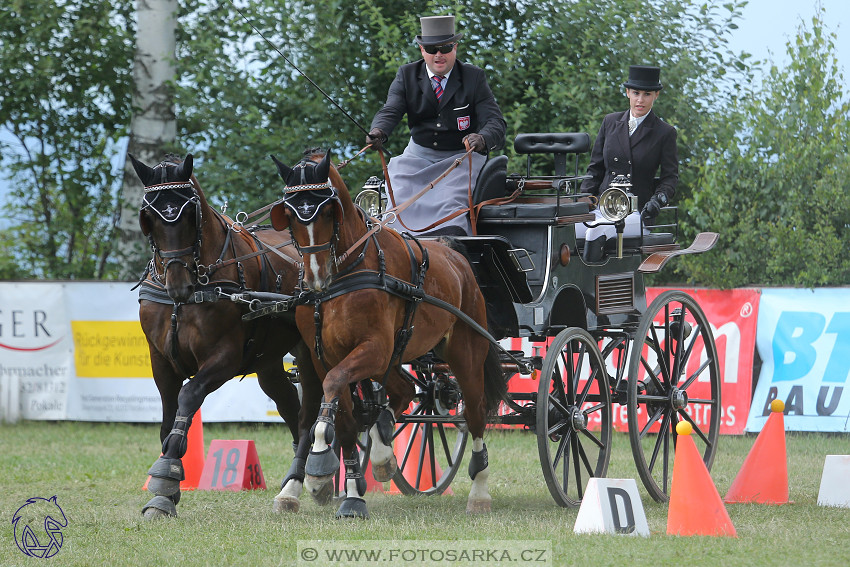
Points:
x=438, y=86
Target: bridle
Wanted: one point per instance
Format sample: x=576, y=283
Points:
x=168, y=257
x=307, y=213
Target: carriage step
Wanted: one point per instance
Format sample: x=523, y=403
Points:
x=703, y=242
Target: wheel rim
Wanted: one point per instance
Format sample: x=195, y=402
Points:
x=673, y=376
x=573, y=416
x=429, y=441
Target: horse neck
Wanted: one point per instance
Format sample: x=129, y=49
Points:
x=212, y=236
x=353, y=226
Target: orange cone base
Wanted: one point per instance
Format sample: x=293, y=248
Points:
x=695, y=505
x=372, y=485
x=763, y=478
x=193, y=460
x=426, y=481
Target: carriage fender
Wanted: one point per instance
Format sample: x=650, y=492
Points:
x=569, y=308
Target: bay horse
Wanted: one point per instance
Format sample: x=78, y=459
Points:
x=192, y=332
x=373, y=310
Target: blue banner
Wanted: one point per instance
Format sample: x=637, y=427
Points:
x=803, y=340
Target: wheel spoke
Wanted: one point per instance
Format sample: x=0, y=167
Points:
x=590, y=436
x=662, y=438
x=697, y=429
x=695, y=375
x=445, y=443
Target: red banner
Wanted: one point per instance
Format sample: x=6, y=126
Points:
x=733, y=315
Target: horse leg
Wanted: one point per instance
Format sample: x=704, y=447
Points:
x=400, y=393
x=322, y=462
x=168, y=383
x=167, y=471
x=287, y=499
x=354, y=506
x=467, y=362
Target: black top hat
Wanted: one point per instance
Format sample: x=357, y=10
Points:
x=644, y=78
x=438, y=30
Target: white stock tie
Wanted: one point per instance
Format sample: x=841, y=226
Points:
x=632, y=125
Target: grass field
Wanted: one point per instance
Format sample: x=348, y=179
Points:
x=97, y=470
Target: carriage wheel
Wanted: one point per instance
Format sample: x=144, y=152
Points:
x=673, y=376
x=430, y=436
x=573, y=416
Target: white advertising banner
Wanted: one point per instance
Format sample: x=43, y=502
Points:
x=804, y=343
x=77, y=351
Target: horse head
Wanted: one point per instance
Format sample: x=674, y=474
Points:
x=312, y=209
x=171, y=217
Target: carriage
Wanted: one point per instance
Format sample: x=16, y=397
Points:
x=587, y=336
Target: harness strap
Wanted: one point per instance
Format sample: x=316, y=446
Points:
x=396, y=209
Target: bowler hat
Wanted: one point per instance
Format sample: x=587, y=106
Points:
x=644, y=78
x=437, y=30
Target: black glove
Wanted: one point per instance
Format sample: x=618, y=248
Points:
x=654, y=205
x=476, y=143
x=376, y=138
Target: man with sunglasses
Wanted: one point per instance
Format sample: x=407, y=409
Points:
x=449, y=107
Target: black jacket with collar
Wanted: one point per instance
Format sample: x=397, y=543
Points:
x=467, y=106
x=653, y=145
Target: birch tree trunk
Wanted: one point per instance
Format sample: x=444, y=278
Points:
x=153, y=127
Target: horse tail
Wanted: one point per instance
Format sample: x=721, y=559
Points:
x=495, y=386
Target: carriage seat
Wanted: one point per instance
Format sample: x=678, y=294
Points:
x=531, y=213
x=559, y=144
x=492, y=180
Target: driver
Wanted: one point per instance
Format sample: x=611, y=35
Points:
x=635, y=143
x=448, y=104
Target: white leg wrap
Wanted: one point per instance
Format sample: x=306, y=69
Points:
x=380, y=453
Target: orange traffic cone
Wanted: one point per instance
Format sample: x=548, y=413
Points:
x=695, y=505
x=193, y=460
x=763, y=478
x=426, y=480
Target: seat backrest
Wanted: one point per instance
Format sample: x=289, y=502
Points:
x=492, y=180
x=559, y=144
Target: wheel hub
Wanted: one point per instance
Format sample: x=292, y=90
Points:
x=578, y=420
x=678, y=399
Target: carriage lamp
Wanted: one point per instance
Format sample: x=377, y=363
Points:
x=617, y=201
x=370, y=199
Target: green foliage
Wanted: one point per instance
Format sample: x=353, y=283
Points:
x=764, y=164
x=776, y=186
x=64, y=102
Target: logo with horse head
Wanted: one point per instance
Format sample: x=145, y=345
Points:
x=38, y=527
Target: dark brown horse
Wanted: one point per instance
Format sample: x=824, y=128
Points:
x=193, y=332
x=370, y=311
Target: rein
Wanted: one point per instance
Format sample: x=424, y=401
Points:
x=396, y=209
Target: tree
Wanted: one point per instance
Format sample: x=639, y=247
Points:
x=776, y=188
x=153, y=127
x=64, y=100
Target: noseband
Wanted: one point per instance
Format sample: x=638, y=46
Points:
x=172, y=215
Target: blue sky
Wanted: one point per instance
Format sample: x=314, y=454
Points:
x=767, y=25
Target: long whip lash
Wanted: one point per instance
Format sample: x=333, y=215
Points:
x=294, y=66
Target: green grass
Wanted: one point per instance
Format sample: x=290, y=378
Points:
x=97, y=471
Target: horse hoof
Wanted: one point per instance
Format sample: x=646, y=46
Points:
x=353, y=508
x=286, y=504
x=478, y=507
x=159, y=507
x=385, y=471
x=320, y=488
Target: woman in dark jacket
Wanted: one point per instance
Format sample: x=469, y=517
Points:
x=635, y=143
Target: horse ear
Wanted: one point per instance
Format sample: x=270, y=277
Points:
x=184, y=170
x=144, y=223
x=282, y=169
x=324, y=167
x=278, y=216
x=145, y=173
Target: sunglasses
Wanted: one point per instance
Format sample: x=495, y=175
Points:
x=432, y=49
